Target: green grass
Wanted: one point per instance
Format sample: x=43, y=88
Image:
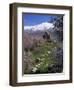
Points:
x=45, y=59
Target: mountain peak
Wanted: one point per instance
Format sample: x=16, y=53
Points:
x=42, y=26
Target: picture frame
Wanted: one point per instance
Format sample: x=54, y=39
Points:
x=19, y=13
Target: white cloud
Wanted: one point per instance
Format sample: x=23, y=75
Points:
x=42, y=26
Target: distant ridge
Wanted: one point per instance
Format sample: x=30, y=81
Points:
x=43, y=26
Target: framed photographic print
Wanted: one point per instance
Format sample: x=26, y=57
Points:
x=40, y=44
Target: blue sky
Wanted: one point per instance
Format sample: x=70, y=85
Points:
x=31, y=19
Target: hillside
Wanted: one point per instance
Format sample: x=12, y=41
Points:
x=43, y=48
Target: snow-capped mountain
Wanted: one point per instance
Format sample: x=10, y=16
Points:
x=55, y=29
x=41, y=27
